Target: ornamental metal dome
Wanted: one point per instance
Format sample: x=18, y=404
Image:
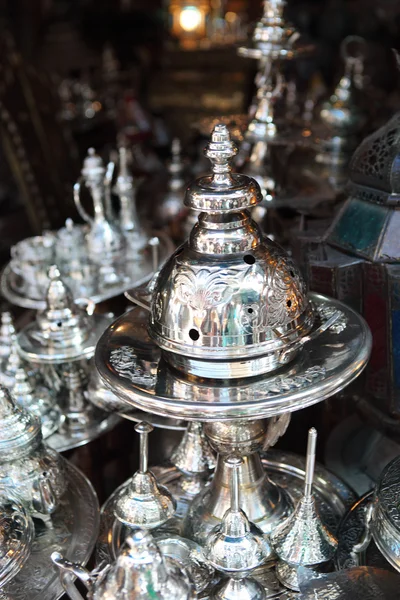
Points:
x=229, y=302
x=373, y=198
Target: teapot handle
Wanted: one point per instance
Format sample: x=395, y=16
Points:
x=67, y=569
x=44, y=499
x=77, y=199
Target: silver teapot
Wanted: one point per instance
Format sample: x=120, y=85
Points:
x=140, y=572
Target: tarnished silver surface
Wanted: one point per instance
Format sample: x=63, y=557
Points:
x=285, y=469
x=16, y=536
x=236, y=547
x=73, y=531
x=144, y=503
x=303, y=539
x=357, y=583
x=140, y=571
x=131, y=365
x=27, y=466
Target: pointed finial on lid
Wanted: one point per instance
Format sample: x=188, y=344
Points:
x=59, y=296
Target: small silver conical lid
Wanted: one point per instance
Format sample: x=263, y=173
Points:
x=193, y=455
x=303, y=539
x=10, y=366
x=144, y=503
x=141, y=572
x=20, y=430
x=236, y=545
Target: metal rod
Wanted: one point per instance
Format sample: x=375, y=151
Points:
x=234, y=462
x=143, y=429
x=154, y=243
x=310, y=461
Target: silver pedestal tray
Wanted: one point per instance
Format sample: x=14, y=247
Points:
x=284, y=468
x=73, y=532
x=126, y=358
x=64, y=440
x=12, y=285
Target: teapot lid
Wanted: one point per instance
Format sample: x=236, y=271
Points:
x=20, y=430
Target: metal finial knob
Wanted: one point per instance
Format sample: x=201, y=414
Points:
x=220, y=150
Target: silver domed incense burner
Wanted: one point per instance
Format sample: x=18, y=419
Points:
x=303, y=539
x=140, y=572
x=27, y=466
x=144, y=503
x=229, y=292
x=236, y=547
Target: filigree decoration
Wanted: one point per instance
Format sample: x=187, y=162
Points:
x=326, y=311
x=126, y=363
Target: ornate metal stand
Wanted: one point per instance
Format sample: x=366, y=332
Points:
x=231, y=340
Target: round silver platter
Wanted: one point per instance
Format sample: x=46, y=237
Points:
x=131, y=365
x=333, y=496
x=350, y=532
x=64, y=440
x=73, y=533
x=12, y=285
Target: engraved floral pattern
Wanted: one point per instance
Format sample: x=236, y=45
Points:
x=126, y=363
x=207, y=288
x=326, y=311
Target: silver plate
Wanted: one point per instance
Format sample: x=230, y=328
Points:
x=62, y=440
x=287, y=469
x=131, y=365
x=11, y=284
x=73, y=534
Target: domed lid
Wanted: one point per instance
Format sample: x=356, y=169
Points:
x=144, y=503
x=93, y=168
x=62, y=322
x=141, y=572
x=229, y=291
x=19, y=429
